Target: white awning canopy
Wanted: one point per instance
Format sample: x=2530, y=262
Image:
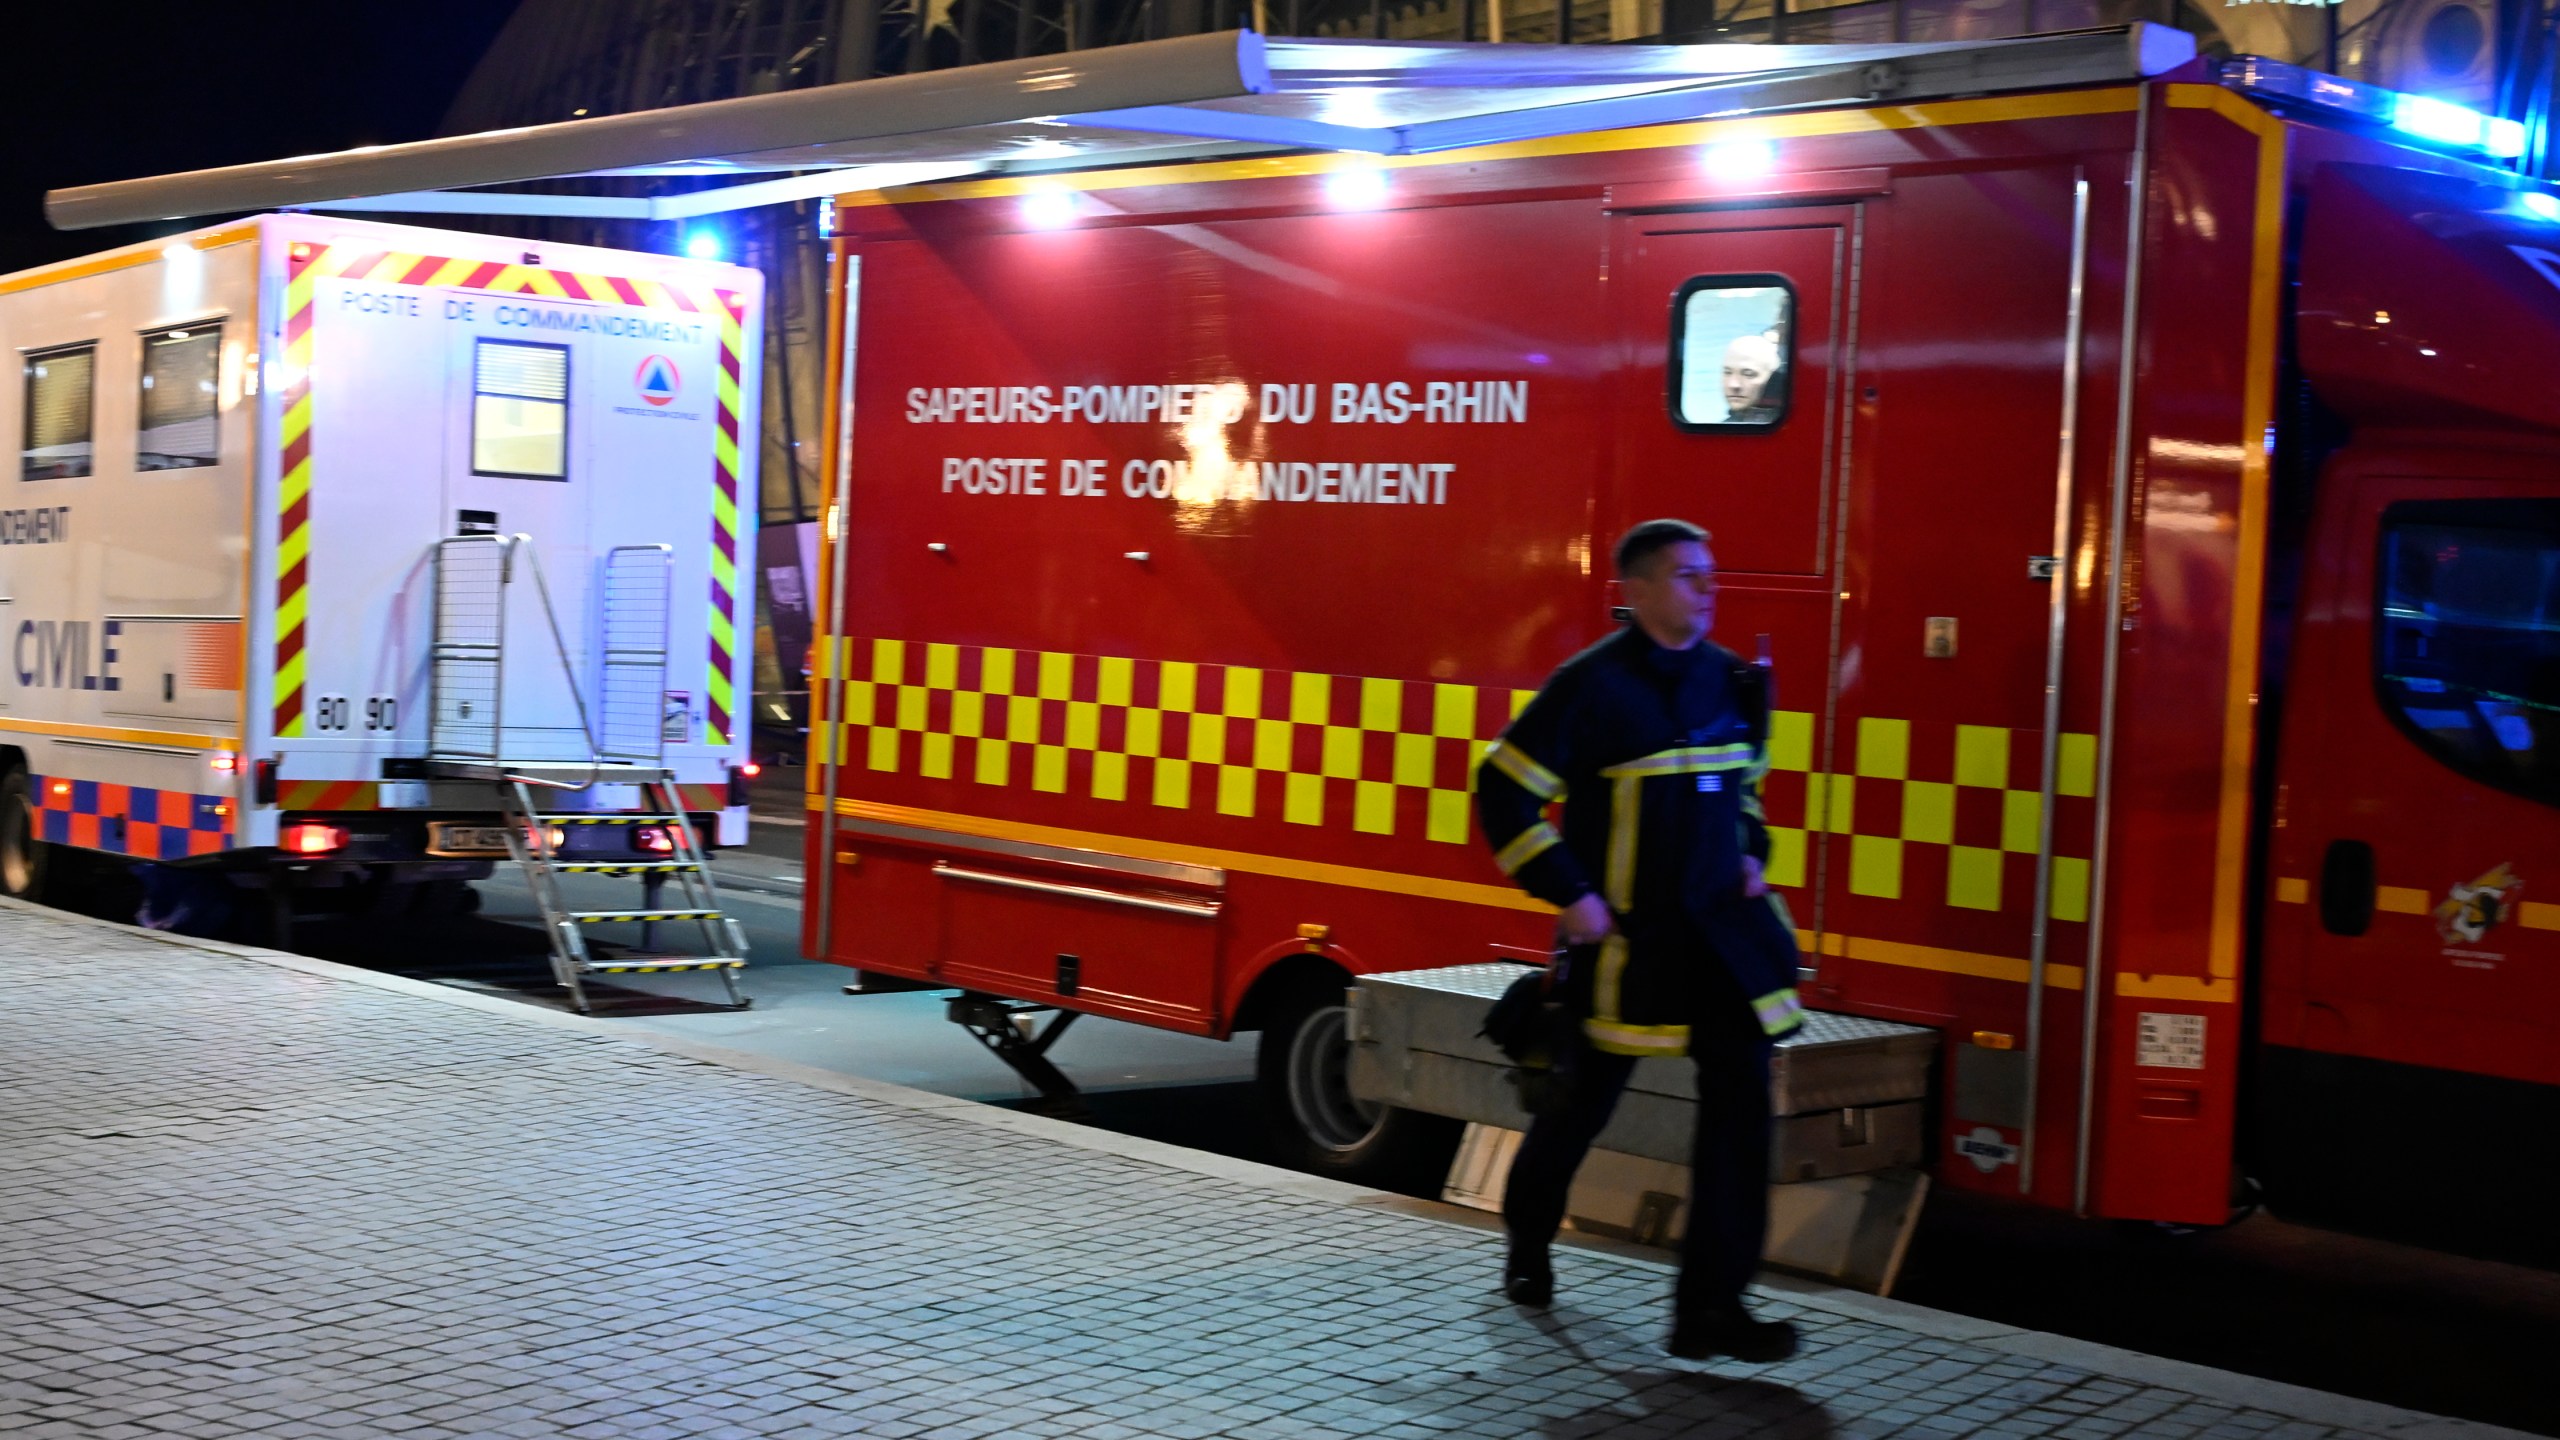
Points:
x=1164, y=99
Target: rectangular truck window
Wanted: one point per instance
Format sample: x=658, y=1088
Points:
x=1732, y=346
x=181, y=377
x=2467, y=637
x=520, y=410
x=58, y=442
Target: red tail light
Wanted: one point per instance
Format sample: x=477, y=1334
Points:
x=751, y=769
x=655, y=839
x=310, y=838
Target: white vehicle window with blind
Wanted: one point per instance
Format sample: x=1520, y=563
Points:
x=520, y=410
x=180, y=379
x=58, y=442
x=1731, y=343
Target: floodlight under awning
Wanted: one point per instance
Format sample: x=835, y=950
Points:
x=1161, y=99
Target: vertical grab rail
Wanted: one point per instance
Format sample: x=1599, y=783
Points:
x=467, y=668
x=639, y=592
x=466, y=671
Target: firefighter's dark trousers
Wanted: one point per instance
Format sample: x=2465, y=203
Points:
x=1728, y=1218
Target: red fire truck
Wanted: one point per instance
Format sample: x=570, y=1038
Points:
x=2136, y=469
x=2144, y=491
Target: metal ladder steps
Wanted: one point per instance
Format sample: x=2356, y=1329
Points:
x=606, y=917
x=624, y=867
x=661, y=964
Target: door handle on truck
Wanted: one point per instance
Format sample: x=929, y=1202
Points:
x=2347, y=888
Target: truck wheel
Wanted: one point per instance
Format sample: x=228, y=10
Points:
x=23, y=857
x=1314, y=1122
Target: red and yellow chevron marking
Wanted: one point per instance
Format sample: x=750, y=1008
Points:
x=309, y=264
x=329, y=795
x=293, y=490
x=393, y=267
x=724, y=521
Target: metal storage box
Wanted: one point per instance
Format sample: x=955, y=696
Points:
x=1846, y=1089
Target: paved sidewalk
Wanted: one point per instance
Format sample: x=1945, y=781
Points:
x=270, y=1197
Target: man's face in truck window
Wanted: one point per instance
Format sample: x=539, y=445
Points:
x=1748, y=363
x=1673, y=594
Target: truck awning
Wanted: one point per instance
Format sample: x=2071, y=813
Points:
x=1221, y=94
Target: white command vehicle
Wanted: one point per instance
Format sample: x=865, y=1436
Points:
x=346, y=554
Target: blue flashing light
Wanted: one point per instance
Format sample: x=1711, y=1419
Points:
x=2539, y=205
x=2421, y=117
x=2440, y=120
x=702, y=244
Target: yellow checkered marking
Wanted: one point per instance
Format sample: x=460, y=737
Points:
x=1880, y=812
x=1197, y=757
x=994, y=737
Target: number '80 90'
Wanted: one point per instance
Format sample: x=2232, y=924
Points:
x=337, y=713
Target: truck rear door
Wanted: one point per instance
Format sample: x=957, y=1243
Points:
x=516, y=463
x=1733, y=322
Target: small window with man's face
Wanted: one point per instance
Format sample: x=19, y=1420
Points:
x=1732, y=342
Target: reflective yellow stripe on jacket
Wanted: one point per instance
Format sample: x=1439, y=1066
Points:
x=1526, y=846
x=1606, y=1031
x=1527, y=773
x=1778, y=1012
x=1618, y=876
x=1688, y=760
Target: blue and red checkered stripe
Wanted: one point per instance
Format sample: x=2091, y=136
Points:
x=132, y=820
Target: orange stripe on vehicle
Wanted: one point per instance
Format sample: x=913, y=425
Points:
x=2400, y=900
x=2257, y=413
x=115, y=260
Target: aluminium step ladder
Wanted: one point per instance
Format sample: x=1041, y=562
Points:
x=471, y=739
x=534, y=840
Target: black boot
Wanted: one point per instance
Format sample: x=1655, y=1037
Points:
x=1527, y=1277
x=1734, y=1333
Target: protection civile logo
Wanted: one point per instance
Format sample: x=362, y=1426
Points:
x=658, y=380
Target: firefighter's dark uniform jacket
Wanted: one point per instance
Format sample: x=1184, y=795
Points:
x=1656, y=756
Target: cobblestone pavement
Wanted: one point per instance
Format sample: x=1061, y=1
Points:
x=243, y=1198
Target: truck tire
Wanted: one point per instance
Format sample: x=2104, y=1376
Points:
x=1314, y=1124
x=24, y=858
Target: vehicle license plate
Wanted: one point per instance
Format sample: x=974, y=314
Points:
x=444, y=839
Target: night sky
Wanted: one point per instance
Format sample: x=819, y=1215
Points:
x=110, y=90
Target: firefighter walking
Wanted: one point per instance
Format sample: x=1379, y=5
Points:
x=1653, y=742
